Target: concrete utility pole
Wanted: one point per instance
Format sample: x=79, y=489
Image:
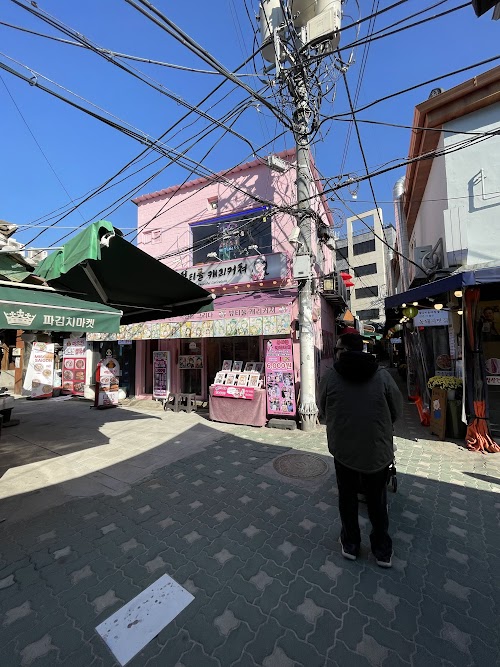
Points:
x=291, y=33
x=307, y=406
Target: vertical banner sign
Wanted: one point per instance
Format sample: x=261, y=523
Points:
x=40, y=374
x=280, y=384
x=107, y=385
x=161, y=374
x=74, y=366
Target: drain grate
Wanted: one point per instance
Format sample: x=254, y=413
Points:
x=300, y=466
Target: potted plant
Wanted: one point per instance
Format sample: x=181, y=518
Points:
x=449, y=383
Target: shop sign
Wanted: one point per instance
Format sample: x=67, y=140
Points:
x=396, y=341
x=161, y=374
x=39, y=379
x=493, y=380
x=439, y=401
x=108, y=372
x=280, y=386
x=226, y=391
x=125, y=342
x=240, y=271
x=74, y=366
x=261, y=321
x=430, y=317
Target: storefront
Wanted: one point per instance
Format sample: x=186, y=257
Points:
x=238, y=331
x=450, y=331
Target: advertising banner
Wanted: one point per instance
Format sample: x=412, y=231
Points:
x=161, y=374
x=74, y=366
x=280, y=384
x=39, y=379
x=108, y=384
x=233, y=392
x=490, y=338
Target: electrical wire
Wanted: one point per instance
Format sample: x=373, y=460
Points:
x=36, y=141
x=162, y=21
x=118, y=54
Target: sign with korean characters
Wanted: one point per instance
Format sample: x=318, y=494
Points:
x=280, y=385
x=430, y=317
x=107, y=383
x=74, y=366
x=39, y=381
x=161, y=374
x=224, y=391
x=252, y=269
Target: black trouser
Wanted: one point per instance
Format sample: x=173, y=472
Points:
x=375, y=489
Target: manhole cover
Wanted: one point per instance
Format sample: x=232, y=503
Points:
x=302, y=466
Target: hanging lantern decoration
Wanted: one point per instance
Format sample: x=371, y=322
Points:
x=410, y=312
x=349, y=283
x=398, y=327
x=345, y=276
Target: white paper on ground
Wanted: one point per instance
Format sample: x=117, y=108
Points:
x=133, y=626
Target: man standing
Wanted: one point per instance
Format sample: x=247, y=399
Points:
x=361, y=402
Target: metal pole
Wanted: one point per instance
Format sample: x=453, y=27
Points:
x=307, y=407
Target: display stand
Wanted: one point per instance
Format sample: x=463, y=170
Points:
x=238, y=410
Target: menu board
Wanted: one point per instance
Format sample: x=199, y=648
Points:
x=74, y=366
x=108, y=373
x=439, y=401
x=161, y=374
x=40, y=374
x=280, y=384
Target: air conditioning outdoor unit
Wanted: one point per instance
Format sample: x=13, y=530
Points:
x=418, y=254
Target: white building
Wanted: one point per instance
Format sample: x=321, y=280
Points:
x=449, y=213
x=365, y=255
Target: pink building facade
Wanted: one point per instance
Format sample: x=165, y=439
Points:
x=231, y=235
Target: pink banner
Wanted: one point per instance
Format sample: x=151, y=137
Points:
x=280, y=384
x=227, y=391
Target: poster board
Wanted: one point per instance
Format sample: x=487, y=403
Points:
x=280, y=385
x=39, y=380
x=74, y=366
x=161, y=374
x=489, y=327
x=439, y=401
x=107, y=383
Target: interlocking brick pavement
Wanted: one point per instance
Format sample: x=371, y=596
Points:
x=260, y=554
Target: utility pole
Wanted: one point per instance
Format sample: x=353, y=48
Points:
x=291, y=33
x=307, y=405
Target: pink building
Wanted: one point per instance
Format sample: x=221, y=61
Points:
x=230, y=234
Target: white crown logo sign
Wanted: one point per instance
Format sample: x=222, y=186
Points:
x=19, y=318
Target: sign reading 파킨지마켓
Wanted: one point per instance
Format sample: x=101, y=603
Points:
x=280, y=384
x=108, y=384
x=39, y=379
x=161, y=374
x=74, y=366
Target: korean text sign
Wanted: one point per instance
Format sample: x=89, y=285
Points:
x=161, y=374
x=280, y=384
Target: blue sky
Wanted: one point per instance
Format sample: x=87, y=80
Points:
x=84, y=153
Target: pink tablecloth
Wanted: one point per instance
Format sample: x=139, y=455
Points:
x=239, y=410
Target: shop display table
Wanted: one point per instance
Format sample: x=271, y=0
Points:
x=239, y=410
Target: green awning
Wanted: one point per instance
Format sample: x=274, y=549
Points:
x=99, y=264
x=13, y=269
x=34, y=309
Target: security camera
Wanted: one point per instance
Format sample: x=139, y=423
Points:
x=294, y=236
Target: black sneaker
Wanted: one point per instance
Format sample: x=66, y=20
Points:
x=384, y=561
x=350, y=554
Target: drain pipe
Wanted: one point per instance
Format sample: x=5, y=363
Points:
x=398, y=193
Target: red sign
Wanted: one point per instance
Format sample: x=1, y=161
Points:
x=280, y=384
x=227, y=391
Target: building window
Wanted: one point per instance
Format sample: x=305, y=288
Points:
x=231, y=237
x=146, y=237
x=369, y=314
x=363, y=247
x=366, y=270
x=341, y=253
x=366, y=292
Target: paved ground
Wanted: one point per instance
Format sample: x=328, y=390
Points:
x=259, y=552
